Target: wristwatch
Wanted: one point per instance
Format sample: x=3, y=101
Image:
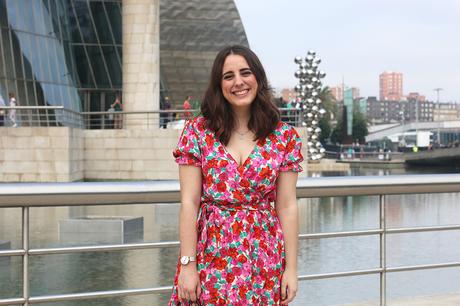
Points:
x=184, y=260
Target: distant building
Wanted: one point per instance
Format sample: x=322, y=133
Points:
x=288, y=94
x=391, y=86
x=337, y=92
x=416, y=96
x=446, y=111
x=411, y=110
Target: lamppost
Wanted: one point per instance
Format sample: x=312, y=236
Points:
x=403, y=139
x=439, y=113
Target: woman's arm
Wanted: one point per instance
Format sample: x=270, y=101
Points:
x=286, y=209
x=190, y=187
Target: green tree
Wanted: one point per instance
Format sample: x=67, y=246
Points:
x=330, y=106
x=328, y=103
x=325, y=126
x=338, y=132
x=360, y=130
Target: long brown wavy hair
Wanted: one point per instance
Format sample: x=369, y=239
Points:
x=217, y=111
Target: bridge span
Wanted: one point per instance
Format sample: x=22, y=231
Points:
x=438, y=157
x=443, y=126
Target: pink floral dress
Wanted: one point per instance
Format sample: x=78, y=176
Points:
x=240, y=248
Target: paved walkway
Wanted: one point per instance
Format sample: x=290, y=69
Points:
x=434, y=300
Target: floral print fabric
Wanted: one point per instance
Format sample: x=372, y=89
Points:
x=240, y=248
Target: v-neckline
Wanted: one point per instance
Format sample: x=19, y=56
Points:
x=227, y=152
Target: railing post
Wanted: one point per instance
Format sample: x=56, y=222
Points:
x=25, y=257
x=383, y=251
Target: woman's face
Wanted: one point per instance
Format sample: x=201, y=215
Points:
x=239, y=84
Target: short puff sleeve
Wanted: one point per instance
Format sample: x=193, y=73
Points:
x=293, y=155
x=188, y=150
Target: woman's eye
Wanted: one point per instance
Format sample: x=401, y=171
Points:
x=228, y=77
x=246, y=72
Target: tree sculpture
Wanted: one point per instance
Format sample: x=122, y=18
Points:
x=309, y=102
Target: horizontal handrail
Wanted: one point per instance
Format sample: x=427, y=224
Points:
x=117, y=193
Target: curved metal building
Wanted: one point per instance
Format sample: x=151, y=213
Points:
x=69, y=52
x=191, y=34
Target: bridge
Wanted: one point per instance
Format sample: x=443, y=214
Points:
x=442, y=126
x=439, y=157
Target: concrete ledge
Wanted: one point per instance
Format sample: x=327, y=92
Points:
x=101, y=230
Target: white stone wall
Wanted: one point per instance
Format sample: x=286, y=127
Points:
x=130, y=154
x=41, y=154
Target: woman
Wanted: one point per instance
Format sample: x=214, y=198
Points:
x=118, y=107
x=12, y=113
x=235, y=160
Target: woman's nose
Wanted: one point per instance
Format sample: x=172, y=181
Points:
x=238, y=80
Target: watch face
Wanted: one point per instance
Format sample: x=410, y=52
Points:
x=184, y=260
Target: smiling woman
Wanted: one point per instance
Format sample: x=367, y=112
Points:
x=238, y=173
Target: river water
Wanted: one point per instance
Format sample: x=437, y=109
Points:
x=60, y=274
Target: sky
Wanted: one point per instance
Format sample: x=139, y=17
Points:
x=359, y=39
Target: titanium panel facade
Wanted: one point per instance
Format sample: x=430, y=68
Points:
x=191, y=34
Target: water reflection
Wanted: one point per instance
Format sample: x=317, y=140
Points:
x=58, y=274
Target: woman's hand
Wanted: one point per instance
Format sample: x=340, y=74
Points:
x=288, y=286
x=188, y=284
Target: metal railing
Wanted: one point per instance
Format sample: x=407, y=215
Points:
x=84, y=194
x=40, y=116
x=60, y=116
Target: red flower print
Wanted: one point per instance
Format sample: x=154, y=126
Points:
x=209, y=140
x=238, y=195
x=246, y=244
x=232, y=252
x=184, y=141
x=272, y=137
x=209, y=180
x=280, y=147
x=237, y=227
x=242, y=292
x=220, y=263
x=266, y=155
x=230, y=278
x=223, y=163
x=236, y=271
x=272, y=230
x=265, y=172
x=242, y=258
x=221, y=187
x=212, y=163
x=250, y=219
x=290, y=146
x=223, y=176
x=286, y=134
x=202, y=275
x=257, y=232
x=244, y=183
x=269, y=284
x=262, y=142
